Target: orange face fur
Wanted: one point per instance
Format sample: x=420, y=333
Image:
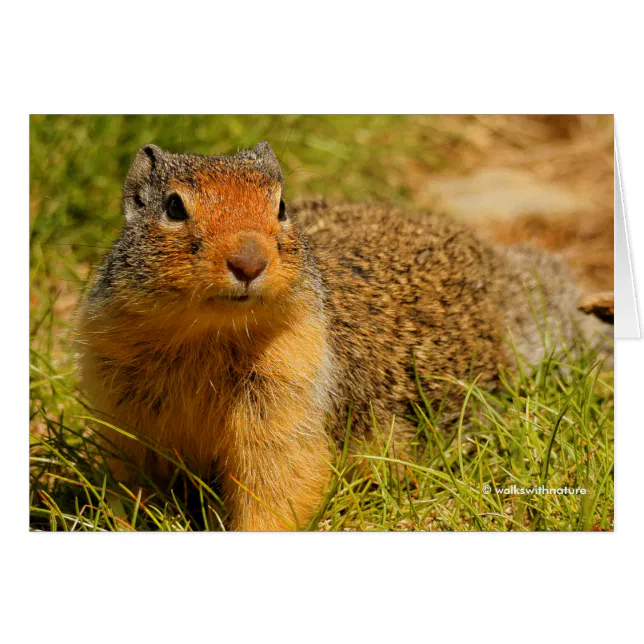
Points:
x=224, y=217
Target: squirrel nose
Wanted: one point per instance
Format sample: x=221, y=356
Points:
x=248, y=263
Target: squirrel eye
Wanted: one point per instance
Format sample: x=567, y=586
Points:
x=175, y=209
x=282, y=211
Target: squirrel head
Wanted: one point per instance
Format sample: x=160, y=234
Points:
x=207, y=234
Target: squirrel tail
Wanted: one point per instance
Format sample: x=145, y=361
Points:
x=543, y=306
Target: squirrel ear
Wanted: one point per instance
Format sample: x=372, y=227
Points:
x=139, y=178
x=268, y=160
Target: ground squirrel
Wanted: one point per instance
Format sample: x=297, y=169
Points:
x=237, y=330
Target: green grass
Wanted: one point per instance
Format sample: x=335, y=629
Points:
x=550, y=425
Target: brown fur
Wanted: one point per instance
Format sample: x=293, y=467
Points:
x=250, y=390
x=584, y=240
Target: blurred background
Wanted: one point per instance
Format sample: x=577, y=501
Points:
x=544, y=179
